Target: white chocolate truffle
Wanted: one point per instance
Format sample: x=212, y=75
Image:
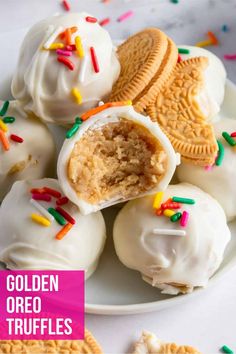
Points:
x=25, y=244
x=33, y=158
x=212, y=95
x=218, y=181
x=116, y=155
x=44, y=85
x=173, y=263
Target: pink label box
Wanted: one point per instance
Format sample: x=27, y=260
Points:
x=46, y=305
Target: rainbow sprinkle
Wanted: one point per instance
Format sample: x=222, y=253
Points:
x=157, y=200
x=4, y=108
x=3, y=126
x=221, y=153
x=40, y=220
x=64, y=231
x=229, y=139
x=4, y=141
x=169, y=232
x=79, y=47
x=105, y=21
x=66, y=5
x=184, y=219
x=72, y=131
x=125, y=16
x=226, y=349
x=77, y=95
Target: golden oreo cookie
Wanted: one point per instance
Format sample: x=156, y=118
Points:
x=179, y=115
x=86, y=346
x=147, y=59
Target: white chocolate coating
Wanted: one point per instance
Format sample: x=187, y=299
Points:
x=35, y=156
x=163, y=259
x=212, y=96
x=25, y=244
x=219, y=181
x=109, y=115
x=148, y=344
x=44, y=86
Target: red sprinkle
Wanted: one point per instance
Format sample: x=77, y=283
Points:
x=67, y=216
x=52, y=192
x=91, y=19
x=105, y=21
x=159, y=212
x=62, y=201
x=171, y=205
x=179, y=59
x=46, y=190
x=41, y=196
x=66, y=62
x=70, y=48
x=233, y=135
x=16, y=138
x=66, y=5
x=94, y=60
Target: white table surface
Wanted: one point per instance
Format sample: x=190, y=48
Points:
x=207, y=321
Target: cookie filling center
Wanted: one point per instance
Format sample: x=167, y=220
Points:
x=119, y=159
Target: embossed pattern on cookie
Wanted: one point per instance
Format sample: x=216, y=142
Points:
x=86, y=346
x=178, y=113
x=147, y=60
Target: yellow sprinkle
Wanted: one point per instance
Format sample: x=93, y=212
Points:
x=168, y=213
x=3, y=126
x=40, y=220
x=79, y=47
x=203, y=43
x=128, y=103
x=75, y=92
x=55, y=46
x=157, y=200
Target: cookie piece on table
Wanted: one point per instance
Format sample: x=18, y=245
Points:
x=149, y=343
x=147, y=59
x=181, y=116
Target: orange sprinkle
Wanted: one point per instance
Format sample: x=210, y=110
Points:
x=4, y=141
x=64, y=231
x=159, y=212
x=68, y=36
x=72, y=30
x=99, y=109
x=213, y=38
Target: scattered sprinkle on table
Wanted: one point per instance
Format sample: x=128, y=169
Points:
x=229, y=139
x=202, y=44
x=64, y=231
x=125, y=16
x=183, y=200
x=169, y=232
x=4, y=108
x=225, y=28
x=66, y=62
x=213, y=38
x=226, y=349
x=40, y=220
x=230, y=56
x=66, y=5
x=16, y=138
x=105, y=21
x=174, y=1
x=183, y=51
x=91, y=19
x=221, y=153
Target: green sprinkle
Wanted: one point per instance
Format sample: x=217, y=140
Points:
x=229, y=139
x=176, y=217
x=183, y=200
x=221, y=153
x=175, y=1
x=4, y=108
x=57, y=216
x=226, y=349
x=71, y=132
x=183, y=51
x=9, y=120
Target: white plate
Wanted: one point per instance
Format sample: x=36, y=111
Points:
x=115, y=289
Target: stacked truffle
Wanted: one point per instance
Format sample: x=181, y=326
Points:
x=133, y=114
